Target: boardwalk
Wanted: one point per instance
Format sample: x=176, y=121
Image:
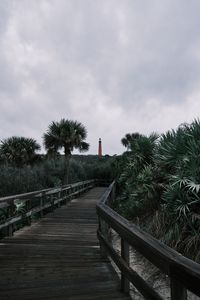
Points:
x=58, y=257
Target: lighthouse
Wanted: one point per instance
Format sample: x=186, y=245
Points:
x=100, y=149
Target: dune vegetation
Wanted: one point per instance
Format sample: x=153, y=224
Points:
x=158, y=177
x=23, y=169
x=159, y=186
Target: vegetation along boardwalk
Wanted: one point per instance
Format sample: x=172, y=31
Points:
x=58, y=257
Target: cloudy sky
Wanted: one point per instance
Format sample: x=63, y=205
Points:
x=116, y=66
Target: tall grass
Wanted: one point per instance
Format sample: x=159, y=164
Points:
x=49, y=173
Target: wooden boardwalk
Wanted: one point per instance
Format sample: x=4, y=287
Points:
x=58, y=257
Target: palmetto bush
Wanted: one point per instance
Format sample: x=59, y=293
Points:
x=139, y=188
x=19, y=151
x=161, y=177
x=182, y=189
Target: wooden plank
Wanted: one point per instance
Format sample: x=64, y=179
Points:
x=59, y=257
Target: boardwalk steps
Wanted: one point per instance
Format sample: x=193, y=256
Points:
x=58, y=257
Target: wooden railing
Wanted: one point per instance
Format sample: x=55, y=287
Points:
x=184, y=274
x=18, y=210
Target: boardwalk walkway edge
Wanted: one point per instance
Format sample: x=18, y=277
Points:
x=183, y=272
x=58, y=256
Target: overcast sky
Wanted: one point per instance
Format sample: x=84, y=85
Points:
x=116, y=66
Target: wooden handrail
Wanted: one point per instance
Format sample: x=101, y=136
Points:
x=183, y=272
x=36, y=202
x=34, y=193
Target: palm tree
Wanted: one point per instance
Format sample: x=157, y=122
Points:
x=19, y=150
x=129, y=138
x=69, y=135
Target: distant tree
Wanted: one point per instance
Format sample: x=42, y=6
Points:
x=19, y=151
x=129, y=138
x=53, y=153
x=67, y=135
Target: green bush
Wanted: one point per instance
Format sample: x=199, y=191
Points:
x=160, y=180
x=49, y=172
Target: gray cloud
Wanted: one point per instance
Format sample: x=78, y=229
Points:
x=117, y=66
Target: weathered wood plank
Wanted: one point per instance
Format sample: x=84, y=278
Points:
x=58, y=257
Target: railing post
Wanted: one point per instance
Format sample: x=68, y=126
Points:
x=52, y=207
x=65, y=196
x=28, y=207
x=62, y=196
x=58, y=198
x=125, y=254
x=178, y=292
x=41, y=204
x=11, y=210
x=103, y=228
x=112, y=200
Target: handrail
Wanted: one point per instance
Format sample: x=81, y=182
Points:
x=183, y=272
x=37, y=203
x=24, y=195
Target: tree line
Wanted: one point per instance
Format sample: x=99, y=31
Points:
x=23, y=169
x=66, y=134
x=158, y=176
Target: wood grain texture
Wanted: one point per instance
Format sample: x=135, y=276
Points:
x=58, y=257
